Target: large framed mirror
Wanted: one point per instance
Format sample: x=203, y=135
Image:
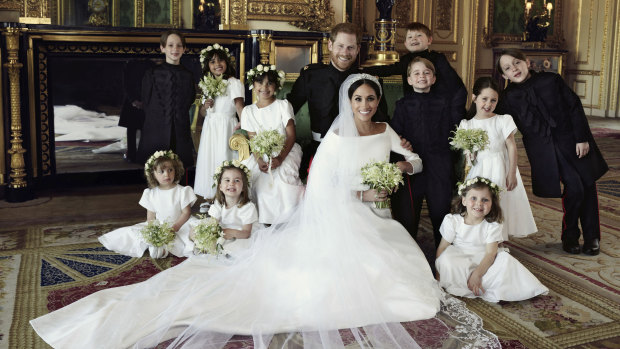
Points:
x=506, y=21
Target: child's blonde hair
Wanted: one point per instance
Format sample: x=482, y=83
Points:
x=422, y=60
x=245, y=173
x=495, y=214
x=158, y=159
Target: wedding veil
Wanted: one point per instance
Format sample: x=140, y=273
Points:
x=304, y=283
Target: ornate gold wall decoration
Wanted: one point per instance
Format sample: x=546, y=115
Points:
x=444, y=15
x=34, y=12
x=98, y=12
x=238, y=14
x=17, y=164
x=492, y=39
x=325, y=50
x=401, y=12
x=264, y=47
x=317, y=15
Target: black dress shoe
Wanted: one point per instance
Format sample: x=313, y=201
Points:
x=591, y=247
x=571, y=247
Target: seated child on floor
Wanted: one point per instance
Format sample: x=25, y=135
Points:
x=469, y=262
x=232, y=207
x=166, y=201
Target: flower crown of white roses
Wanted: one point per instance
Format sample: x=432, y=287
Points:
x=259, y=69
x=494, y=187
x=169, y=154
x=228, y=163
x=204, y=51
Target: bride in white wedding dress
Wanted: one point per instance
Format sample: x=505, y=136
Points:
x=335, y=273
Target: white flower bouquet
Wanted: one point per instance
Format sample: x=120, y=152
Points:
x=382, y=176
x=267, y=143
x=208, y=236
x=470, y=141
x=158, y=234
x=212, y=86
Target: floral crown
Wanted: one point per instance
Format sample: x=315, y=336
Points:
x=259, y=69
x=464, y=185
x=204, y=51
x=169, y=154
x=228, y=163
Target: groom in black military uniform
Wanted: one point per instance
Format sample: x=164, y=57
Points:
x=318, y=84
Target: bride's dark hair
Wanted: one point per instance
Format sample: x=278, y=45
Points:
x=360, y=82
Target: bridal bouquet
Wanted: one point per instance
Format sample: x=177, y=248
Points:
x=208, y=236
x=382, y=176
x=212, y=86
x=158, y=234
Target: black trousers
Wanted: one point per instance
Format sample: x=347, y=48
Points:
x=131, y=143
x=579, y=204
x=407, y=203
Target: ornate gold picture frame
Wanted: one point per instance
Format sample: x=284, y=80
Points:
x=515, y=9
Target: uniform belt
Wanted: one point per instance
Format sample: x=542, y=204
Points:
x=316, y=136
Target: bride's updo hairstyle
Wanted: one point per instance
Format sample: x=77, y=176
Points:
x=365, y=81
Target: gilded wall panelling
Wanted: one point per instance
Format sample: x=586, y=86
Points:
x=34, y=12
x=145, y=16
x=614, y=90
x=504, y=27
x=445, y=22
x=588, y=35
x=31, y=106
x=2, y=140
x=580, y=87
x=470, y=43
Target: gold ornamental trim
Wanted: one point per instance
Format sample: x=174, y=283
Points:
x=16, y=152
x=491, y=39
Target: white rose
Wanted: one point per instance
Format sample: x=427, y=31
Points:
x=209, y=48
x=281, y=74
x=273, y=67
x=265, y=68
x=259, y=67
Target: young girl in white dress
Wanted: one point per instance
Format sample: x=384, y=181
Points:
x=279, y=190
x=220, y=120
x=164, y=200
x=232, y=207
x=499, y=161
x=469, y=262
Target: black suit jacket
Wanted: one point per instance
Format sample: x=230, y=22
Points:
x=552, y=120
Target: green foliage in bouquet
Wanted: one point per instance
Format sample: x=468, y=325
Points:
x=382, y=176
x=472, y=140
x=158, y=234
x=213, y=86
x=206, y=236
x=268, y=143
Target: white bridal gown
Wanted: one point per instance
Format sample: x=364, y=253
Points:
x=319, y=273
